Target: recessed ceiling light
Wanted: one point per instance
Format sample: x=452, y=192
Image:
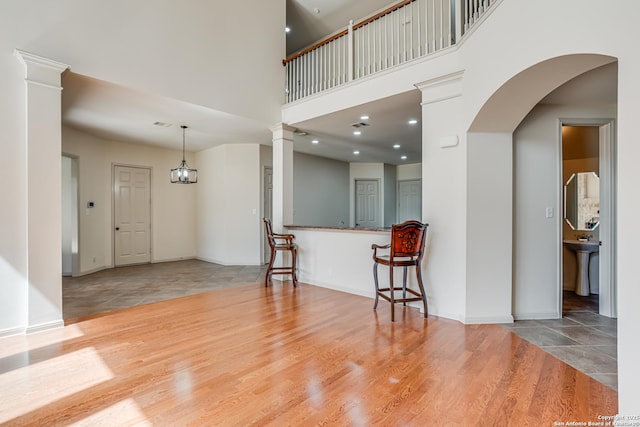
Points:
x=364, y=117
x=356, y=152
x=357, y=132
x=396, y=146
x=413, y=121
x=162, y=124
x=403, y=157
x=287, y=29
x=315, y=141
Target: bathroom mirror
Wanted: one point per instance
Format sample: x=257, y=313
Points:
x=582, y=201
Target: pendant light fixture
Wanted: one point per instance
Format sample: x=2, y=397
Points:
x=183, y=174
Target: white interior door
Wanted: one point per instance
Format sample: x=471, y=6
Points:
x=267, y=208
x=132, y=215
x=606, y=275
x=367, y=204
x=409, y=200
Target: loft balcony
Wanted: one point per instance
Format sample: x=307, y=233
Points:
x=404, y=32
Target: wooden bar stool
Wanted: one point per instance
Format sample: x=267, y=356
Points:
x=405, y=250
x=280, y=242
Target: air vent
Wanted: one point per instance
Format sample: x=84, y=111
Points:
x=162, y=124
x=359, y=124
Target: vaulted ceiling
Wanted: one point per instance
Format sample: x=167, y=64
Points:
x=119, y=113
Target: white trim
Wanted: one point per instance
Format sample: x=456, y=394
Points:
x=537, y=316
x=227, y=263
x=484, y=320
x=41, y=84
x=93, y=270
x=12, y=331
x=45, y=326
x=369, y=294
x=458, y=317
x=441, y=88
x=31, y=59
x=607, y=165
x=182, y=258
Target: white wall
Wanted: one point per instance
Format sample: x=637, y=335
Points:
x=489, y=229
x=537, y=186
x=228, y=205
x=444, y=205
x=173, y=206
x=346, y=261
x=407, y=172
x=320, y=191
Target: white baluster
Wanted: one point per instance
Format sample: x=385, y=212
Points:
x=350, y=51
x=442, y=32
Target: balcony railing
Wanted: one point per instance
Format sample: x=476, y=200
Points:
x=406, y=31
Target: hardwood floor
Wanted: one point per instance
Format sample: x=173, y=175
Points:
x=250, y=355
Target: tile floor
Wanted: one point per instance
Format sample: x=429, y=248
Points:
x=582, y=338
x=122, y=287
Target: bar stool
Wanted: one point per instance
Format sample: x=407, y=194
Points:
x=405, y=250
x=280, y=242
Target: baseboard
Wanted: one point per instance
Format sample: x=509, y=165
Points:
x=368, y=294
x=537, y=316
x=95, y=270
x=45, y=326
x=184, y=258
x=12, y=331
x=483, y=320
x=226, y=264
x=451, y=316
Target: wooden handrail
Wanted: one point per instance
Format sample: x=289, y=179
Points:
x=315, y=46
x=383, y=13
x=345, y=32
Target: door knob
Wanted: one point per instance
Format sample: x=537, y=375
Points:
x=117, y=228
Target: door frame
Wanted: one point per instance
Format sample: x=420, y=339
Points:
x=75, y=172
x=263, y=200
x=608, y=227
x=113, y=209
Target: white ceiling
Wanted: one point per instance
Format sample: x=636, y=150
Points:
x=387, y=125
x=118, y=113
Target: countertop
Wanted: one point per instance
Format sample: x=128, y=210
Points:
x=327, y=228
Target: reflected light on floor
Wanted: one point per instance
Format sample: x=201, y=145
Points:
x=20, y=343
x=71, y=373
x=125, y=412
x=314, y=391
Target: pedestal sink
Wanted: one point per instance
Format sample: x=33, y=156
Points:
x=583, y=250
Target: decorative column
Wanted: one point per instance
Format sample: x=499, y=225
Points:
x=282, y=176
x=43, y=95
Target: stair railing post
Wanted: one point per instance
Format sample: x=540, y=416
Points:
x=458, y=8
x=350, y=51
